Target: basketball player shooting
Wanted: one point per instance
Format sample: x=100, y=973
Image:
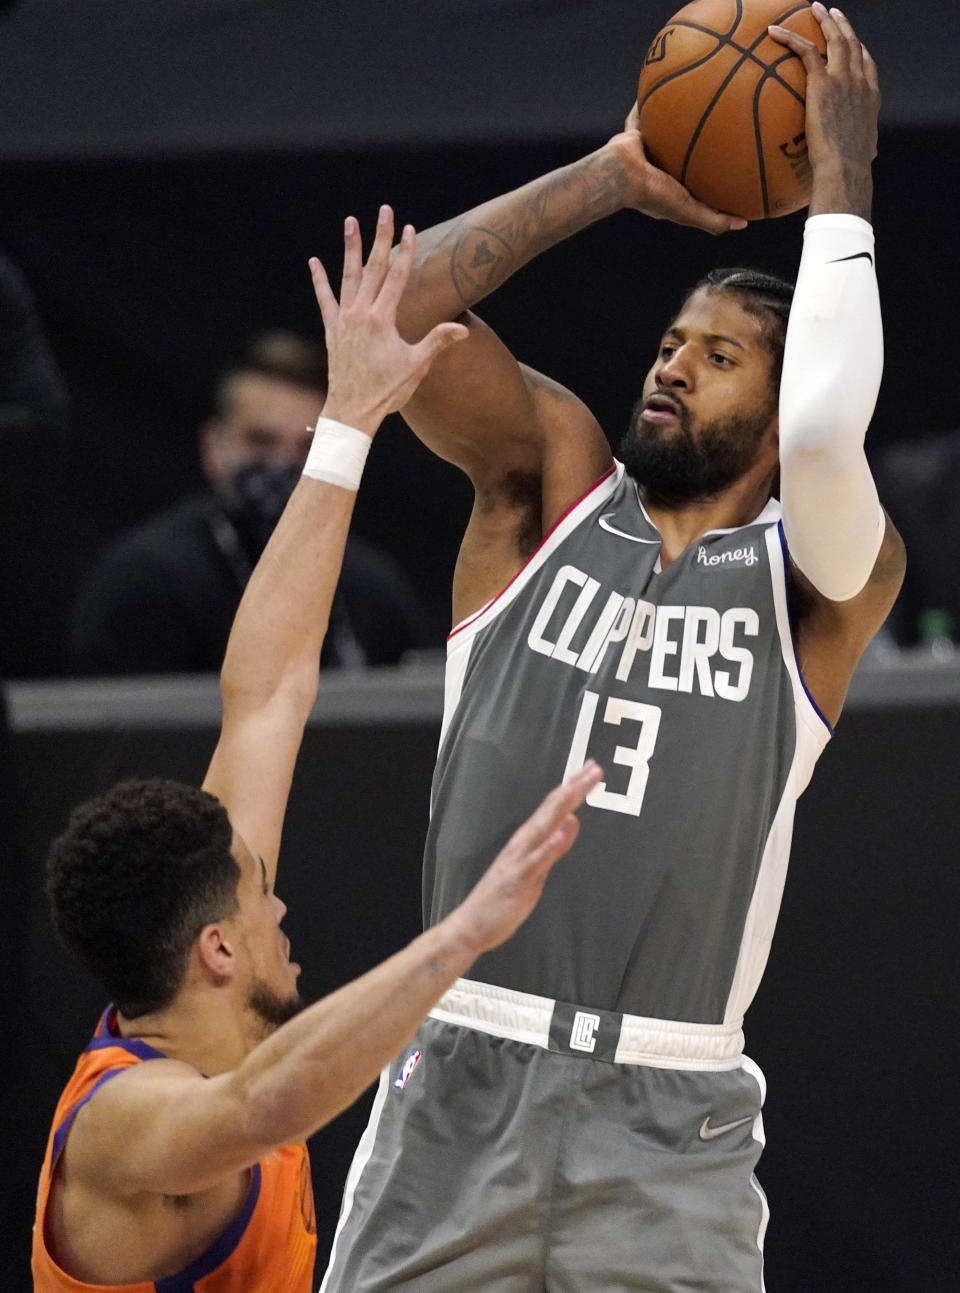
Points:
x=583, y=1115
x=176, y=1158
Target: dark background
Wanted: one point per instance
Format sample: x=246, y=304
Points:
x=165, y=170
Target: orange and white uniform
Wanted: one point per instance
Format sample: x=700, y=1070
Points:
x=268, y=1247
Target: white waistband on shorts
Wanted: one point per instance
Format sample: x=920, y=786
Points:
x=523, y=1017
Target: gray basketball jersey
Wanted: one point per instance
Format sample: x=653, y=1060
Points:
x=683, y=684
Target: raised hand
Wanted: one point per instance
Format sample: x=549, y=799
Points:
x=843, y=103
x=508, y=891
x=372, y=370
x=658, y=194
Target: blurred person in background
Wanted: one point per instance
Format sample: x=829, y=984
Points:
x=162, y=597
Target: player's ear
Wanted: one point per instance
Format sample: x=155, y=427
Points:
x=215, y=949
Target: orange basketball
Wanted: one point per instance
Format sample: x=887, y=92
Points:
x=722, y=105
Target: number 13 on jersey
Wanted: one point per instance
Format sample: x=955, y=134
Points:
x=635, y=757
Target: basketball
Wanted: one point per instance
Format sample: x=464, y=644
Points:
x=722, y=105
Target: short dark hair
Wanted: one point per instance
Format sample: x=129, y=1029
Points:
x=282, y=356
x=763, y=295
x=132, y=881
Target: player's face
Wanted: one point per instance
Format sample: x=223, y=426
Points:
x=264, y=422
x=269, y=976
x=708, y=413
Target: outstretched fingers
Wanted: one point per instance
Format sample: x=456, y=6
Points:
x=366, y=283
x=352, y=263
x=558, y=842
x=378, y=262
x=552, y=828
x=323, y=292
x=395, y=280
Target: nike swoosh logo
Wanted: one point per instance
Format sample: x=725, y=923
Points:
x=612, y=529
x=860, y=255
x=710, y=1133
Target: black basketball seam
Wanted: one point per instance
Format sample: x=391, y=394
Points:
x=735, y=69
x=747, y=54
x=774, y=73
x=771, y=68
x=769, y=75
x=690, y=66
x=723, y=40
x=758, y=141
x=715, y=100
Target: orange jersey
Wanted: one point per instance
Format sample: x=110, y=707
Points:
x=269, y=1246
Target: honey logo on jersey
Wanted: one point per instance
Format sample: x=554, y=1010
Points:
x=409, y=1064
x=732, y=557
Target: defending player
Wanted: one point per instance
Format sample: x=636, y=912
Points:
x=176, y=1159
x=668, y=616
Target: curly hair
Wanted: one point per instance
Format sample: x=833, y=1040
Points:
x=763, y=295
x=134, y=878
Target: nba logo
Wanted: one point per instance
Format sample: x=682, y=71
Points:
x=409, y=1064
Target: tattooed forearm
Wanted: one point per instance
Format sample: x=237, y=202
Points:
x=480, y=261
x=489, y=244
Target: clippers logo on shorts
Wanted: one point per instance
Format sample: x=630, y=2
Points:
x=409, y=1064
x=582, y=1034
x=591, y=1034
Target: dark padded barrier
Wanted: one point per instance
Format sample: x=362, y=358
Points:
x=854, y=1025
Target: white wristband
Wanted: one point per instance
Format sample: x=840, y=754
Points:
x=337, y=454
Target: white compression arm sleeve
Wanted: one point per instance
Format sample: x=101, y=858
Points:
x=832, y=364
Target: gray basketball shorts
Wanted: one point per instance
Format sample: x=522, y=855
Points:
x=522, y=1145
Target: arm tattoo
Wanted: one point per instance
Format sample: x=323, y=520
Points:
x=480, y=261
x=483, y=255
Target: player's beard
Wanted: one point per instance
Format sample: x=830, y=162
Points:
x=683, y=468
x=270, y=1008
